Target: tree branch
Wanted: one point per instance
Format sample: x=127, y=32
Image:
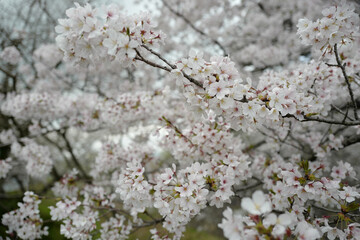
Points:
x=194, y=27
x=159, y=56
x=346, y=80
x=141, y=58
x=350, y=140
x=341, y=112
x=7, y=73
x=314, y=119
x=73, y=157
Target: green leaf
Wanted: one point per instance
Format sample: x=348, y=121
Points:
x=353, y=206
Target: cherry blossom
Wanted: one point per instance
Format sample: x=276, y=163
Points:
x=249, y=108
x=257, y=205
x=26, y=221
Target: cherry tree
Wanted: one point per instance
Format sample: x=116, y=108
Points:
x=128, y=122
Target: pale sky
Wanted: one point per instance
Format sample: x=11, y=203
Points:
x=132, y=6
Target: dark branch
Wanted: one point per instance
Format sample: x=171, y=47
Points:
x=159, y=56
x=346, y=80
x=315, y=119
x=141, y=58
x=350, y=140
x=73, y=157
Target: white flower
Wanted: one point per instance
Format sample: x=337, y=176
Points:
x=196, y=60
x=184, y=66
x=113, y=41
x=349, y=194
x=279, y=222
x=167, y=176
x=37, y=157
x=259, y=204
x=232, y=227
x=63, y=209
x=333, y=232
x=227, y=103
x=306, y=231
x=127, y=48
x=185, y=190
x=219, y=89
x=25, y=220
x=303, y=25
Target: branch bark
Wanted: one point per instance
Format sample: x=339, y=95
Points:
x=142, y=59
x=351, y=93
x=73, y=157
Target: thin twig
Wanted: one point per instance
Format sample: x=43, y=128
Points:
x=7, y=73
x=254, y=146
x=247, y=187
x=170, y=124
x=159, y=56
x=147, y=225
x=195, y=28
x=346, y=80
x=350, y=140
x=323, y=139
x=334, y=211
x=346, y=113
x=73, y=157
x=341, y=112
x=315, y=119
x=141, y=58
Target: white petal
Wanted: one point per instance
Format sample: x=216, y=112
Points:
x=278, y=230
x=285, y=219
x=270, y=219
x=266, y=207
x=258, y=197
x=248, y=205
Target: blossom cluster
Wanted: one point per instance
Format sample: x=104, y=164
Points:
x=211, y=143
x=25, y=220
x=268, y=40
x=112, y=157
x=340, y=25
x=79, y=218
x=95, y=35
x=304, y=91
x=180, y=195
x=127, y=108
x=261, y=223
x=307, y=90
x=34, y=106
x=47, y=56
x=322, y=147
x=133, y=188
x=86, y=111
x=299, y=187
x=115, y=228
x=79, y=225
x=162, y=154
x=37, y=157
x=7, y=136
x=66, y=187
x=221, y=90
